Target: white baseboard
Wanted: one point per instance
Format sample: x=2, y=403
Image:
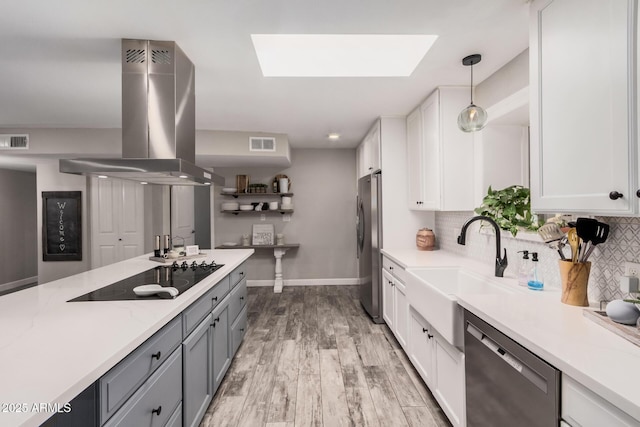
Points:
x=17, y=283
x=306, y=282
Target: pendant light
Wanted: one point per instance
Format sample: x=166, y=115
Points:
x=472, y=118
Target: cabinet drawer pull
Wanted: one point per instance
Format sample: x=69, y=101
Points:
x=241, y=298
x=391, y=266
x=424, y=330
x=614, y=195
x=216, y=320
x=242, y=273
x=638, y=193
x=215, y=298
x=241, y=329
x=157, y=411
x=429, y=336
x=156, y=355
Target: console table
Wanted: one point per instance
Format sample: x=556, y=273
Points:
x=278, y=252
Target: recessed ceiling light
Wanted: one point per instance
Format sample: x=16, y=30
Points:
x=340, y=55
x=102, y=176
x=183, y=176
x=207, y=183
x=333, y=136
x=143, y=182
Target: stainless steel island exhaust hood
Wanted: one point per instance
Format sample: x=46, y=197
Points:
x=158, y=120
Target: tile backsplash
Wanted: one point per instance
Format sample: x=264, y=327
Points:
x=607, y=259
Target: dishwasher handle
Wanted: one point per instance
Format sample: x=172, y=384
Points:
x=511, y=360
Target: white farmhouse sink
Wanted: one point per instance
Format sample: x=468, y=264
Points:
x=432, y=293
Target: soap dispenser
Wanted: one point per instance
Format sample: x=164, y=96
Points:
x=535, y=281
x=524, y=269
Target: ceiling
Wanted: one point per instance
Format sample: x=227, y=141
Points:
x=60, y=66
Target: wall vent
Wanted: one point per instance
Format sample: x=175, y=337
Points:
x=262, y=144
x=14, y=142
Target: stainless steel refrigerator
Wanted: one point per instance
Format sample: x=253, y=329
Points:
x=369, y=235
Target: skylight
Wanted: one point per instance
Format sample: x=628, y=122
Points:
x=340, y=55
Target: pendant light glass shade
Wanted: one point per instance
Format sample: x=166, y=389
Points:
x=472, y=118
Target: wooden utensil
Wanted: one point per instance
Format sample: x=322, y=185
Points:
x=574, y=242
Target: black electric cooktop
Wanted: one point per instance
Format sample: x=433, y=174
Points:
x=180, y=277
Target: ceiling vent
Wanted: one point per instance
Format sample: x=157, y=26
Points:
x=262, y=144
x=14, y=142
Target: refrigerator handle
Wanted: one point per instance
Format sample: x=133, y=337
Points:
x=360, y=229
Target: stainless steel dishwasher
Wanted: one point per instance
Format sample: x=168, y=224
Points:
x=506, y=385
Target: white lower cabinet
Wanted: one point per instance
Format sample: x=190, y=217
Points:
x=440, y=365
x=420, y=352
x=395, y=307
x=581, y=407
x=401, y=310
x=388, y=302
x=448, y=379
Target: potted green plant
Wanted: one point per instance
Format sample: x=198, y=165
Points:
x=510, y=208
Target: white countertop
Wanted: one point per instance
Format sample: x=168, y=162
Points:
x=51, y=349
x=556, y=332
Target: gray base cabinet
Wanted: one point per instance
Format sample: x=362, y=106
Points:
x=156, y=400
x=198, y=374
x=221, y=345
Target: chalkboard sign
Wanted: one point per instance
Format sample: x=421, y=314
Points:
x=61, y=225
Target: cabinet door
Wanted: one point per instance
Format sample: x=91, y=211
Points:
x=402, y=313
x=373, y=141
x=388, y=304
x=448, y=380
x=198, y=375
x=431, y=158
x=582, y=124
x=414, y=156
x=221, y=344
x=420, y=346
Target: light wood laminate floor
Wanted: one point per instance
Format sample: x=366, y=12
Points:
x=312, y=357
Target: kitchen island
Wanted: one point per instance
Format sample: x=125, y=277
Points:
x=602, y=362
x=51, y=349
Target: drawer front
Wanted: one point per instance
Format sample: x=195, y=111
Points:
x=238, y=274
x=123, y=379
x=219, y=292
x=238, y=330
x=582, y=407
x=156, y=401
x=197, y=311
x=238, y=299
x=394, y=268
x=176, y=418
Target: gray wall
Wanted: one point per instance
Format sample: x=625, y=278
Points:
x=18, y=226
x=323, y=221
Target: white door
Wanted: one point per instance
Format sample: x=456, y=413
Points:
x=182, y=215
x=431, y=159
x=414, y=159
x=117, y=221
x=583, y=118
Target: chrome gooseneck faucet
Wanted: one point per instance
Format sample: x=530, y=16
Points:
x=501, y=263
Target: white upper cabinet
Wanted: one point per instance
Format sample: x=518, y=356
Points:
x=440, y=156
x=368, y=152
x=583, y=106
